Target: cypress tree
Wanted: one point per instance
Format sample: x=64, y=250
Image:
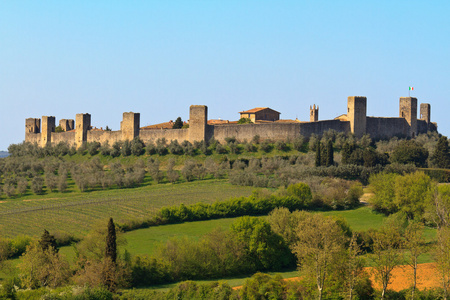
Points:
x=47, y=240
x=318, y=154
x=177, y=124
x=330, y=154
x=111, y=244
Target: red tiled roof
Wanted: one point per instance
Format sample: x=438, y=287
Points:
x=256, y=109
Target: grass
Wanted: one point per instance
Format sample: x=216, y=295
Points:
x=74, y=213
x=360, y=219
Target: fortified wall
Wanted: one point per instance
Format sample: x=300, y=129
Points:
x=355, y=121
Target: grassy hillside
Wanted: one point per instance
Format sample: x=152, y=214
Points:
x=74, y=213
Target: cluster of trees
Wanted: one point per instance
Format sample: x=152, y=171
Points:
x=97, y=265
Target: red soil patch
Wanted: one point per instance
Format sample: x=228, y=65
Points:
x=427, y=277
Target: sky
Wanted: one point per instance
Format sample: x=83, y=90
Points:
x=60, y=58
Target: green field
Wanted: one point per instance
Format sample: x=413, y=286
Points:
x=74, y=213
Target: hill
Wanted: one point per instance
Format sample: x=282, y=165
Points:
x=4, y=154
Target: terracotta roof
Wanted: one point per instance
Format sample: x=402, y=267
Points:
x=256, y=109
x=217, y=121
x=165, y=125
x=343, y=117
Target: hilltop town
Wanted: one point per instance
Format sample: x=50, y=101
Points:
x=265, y=122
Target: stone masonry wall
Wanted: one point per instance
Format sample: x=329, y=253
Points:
x=169, y=134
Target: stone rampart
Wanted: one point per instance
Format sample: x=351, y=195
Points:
x=169, y=134
x=103, y=137
x=380, y=128
x=356, y=122
x=66, y=137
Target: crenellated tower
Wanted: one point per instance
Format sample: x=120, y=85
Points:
x=314, y=113
x=408, y=110
x=357, y=115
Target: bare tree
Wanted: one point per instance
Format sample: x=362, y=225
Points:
x=414, y=242
x=443, y=258
x=386, y=255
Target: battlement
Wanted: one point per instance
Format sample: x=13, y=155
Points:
x=355, y=121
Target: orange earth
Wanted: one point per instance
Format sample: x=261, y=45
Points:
x=427, y=277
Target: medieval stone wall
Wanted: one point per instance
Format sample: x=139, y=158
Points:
x=380, y=128
x=104, y=136
x=356, y=122
x=169, y=134
x=67, y=137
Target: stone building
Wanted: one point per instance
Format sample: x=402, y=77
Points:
x=260, y=114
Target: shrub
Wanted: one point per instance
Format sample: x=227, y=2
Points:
x=266, y=146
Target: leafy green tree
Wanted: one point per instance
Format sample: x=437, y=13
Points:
x=382, y=185
x=262, y=286
x=40, y=268
x=178, y=124
x=320, y=242
x=410, y=152
x=111, y=243
x=441, y=155
x=265, y=249
x=413, y=192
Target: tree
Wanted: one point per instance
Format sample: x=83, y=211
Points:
x=265, y=249
x=442, y=256
x=178, y=124
x=245, y=121
x=330, y=154
x=410, y=152
x=320, y=240
x=39, y=268
x=111, y=244
x=386, y=255
x=354, y=266
x=48, y=241
x=413, y=193
x=318, y=154
x=414, y=242
x=441, y=155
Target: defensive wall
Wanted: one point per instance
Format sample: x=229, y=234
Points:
x=355, y=121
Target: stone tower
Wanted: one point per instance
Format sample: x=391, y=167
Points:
x=48, y=126
x=198, y=116
x=408, y=110
x=130, y=125
x=357, y=113
x=83, y=124
x=67, y=124
x=425, y=112
x=314, y=113
x=32, y=125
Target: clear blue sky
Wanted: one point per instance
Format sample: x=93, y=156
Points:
x=60, y=58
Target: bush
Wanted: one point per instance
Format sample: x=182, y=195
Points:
x=266, y=146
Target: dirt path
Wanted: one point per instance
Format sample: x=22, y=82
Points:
x=427, y=277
